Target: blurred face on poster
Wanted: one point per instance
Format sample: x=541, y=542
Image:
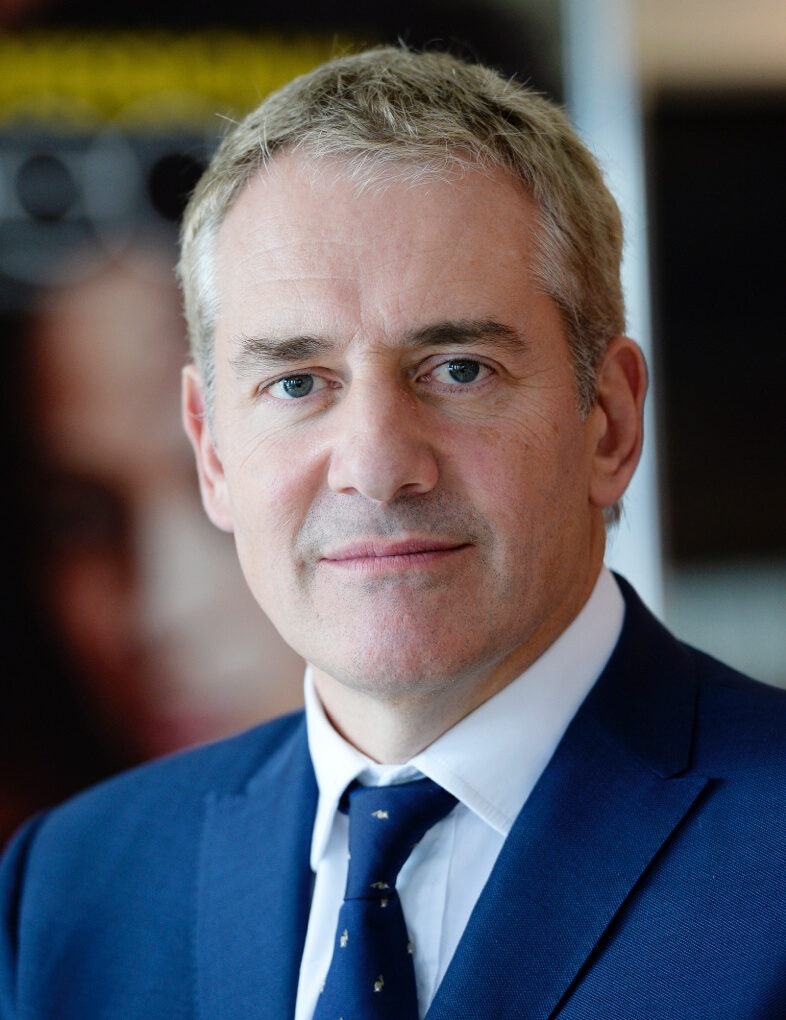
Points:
x=145, y=596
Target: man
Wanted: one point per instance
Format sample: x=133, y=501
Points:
x=412, y=403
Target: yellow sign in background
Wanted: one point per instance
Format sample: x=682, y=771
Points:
x=141, y=78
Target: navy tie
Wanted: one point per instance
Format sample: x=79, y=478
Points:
x=371, y=976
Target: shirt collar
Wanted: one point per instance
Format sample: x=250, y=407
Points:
x=337, y=764
x=523, y=724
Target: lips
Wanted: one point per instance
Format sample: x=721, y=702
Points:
x=378, y=557
x=384, y=549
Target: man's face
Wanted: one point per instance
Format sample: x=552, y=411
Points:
x=397, y=442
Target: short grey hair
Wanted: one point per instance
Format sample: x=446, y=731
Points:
x=391, y=112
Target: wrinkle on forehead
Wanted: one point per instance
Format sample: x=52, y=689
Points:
x=301, y=255
x=289, y=173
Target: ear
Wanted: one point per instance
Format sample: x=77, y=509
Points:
x=618, y=411
x=212, y=482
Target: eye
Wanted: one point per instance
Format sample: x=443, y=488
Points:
x=293, y=387
x=461, y=371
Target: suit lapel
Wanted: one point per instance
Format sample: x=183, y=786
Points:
x=608, y=800
x=255, y=890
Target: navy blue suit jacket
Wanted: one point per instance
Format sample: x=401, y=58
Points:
x=644, y=877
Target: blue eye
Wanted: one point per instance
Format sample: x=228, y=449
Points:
x=458, y=370
x=294, y=386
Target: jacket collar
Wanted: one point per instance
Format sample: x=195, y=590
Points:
x=255, y=889
x=611, y=796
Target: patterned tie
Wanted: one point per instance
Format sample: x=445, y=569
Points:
x=371, y=976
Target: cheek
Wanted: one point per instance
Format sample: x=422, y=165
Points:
x=507, y=462
x=270, y=492
x=527, y=476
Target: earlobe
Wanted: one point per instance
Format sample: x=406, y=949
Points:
x=212, y=483
x=621, y=388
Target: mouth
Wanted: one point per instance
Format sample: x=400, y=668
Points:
x=381, y=556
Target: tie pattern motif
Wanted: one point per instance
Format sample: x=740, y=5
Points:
x=371, y=976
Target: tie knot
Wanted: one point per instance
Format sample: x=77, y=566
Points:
x=385, y=823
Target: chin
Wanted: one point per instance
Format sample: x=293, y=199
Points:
x=392, y=671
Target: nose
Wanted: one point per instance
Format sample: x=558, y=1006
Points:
x=380, y=448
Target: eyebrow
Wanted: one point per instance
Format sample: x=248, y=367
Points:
x=466, y=331
x=256, y=350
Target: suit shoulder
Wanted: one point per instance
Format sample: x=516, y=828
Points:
x=176, y=785
x=94, y=879
x=739, y=717
x=141, y=828
x=743, y=712
x=719, y=681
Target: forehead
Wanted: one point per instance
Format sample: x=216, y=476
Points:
x=302, y=236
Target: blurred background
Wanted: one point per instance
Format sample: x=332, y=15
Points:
x=127, y=628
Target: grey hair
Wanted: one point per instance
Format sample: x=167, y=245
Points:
x=390, y=113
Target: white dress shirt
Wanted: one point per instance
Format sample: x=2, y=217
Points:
x=490, y=761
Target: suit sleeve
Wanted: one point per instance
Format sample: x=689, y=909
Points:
x=12, y=878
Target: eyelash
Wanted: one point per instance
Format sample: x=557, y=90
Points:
x=450, y=362
x=484, y=370
x=296, y=375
